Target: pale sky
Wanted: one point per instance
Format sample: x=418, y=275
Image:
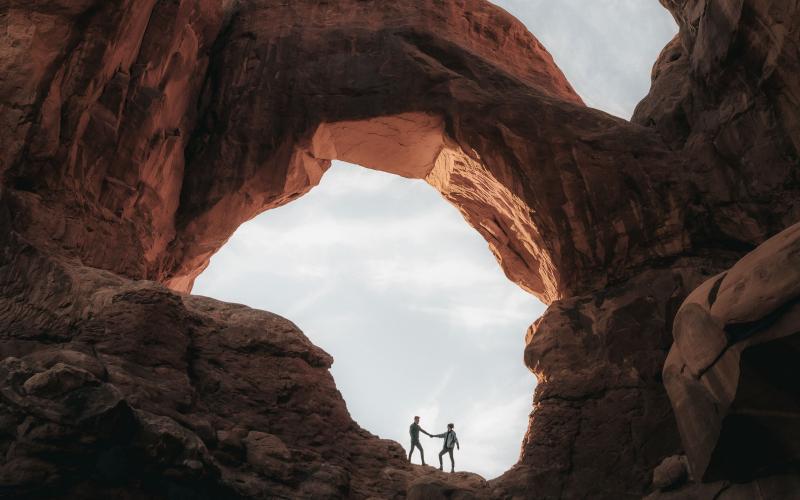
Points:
x=387, y=277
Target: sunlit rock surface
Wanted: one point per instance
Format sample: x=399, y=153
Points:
x=137, y=135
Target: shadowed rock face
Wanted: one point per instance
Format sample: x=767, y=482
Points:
x=728, y=372
x=730, y=376
x=137, y=135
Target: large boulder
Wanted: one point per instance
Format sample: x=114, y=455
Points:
x=732, y=372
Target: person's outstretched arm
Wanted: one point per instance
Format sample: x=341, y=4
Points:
x=426, y=432
x=438, y=435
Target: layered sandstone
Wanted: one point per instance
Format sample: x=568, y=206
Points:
x=137, y=135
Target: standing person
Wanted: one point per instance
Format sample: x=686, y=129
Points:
x=414, y=431
x=450, y=440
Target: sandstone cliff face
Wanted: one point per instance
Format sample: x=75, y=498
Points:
x=137, y=135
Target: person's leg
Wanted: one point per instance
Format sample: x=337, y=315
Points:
x=411, y=450
x=421, y=451
x=452, y=461
x=441, y=467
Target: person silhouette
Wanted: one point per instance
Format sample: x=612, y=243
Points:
x=450, y=441
x=414, y=431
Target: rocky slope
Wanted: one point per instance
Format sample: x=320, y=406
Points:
x=137, y=135
x=132, y=390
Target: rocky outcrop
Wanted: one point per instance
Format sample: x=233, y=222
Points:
x=730, y=373
x=137, y=389
x=137, y=135
x=672, y=472
x=725, y=94
x=598, y=359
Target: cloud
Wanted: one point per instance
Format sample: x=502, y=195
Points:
x=409, y=294
x=479, y=317
x=309, y=301
x=489, y=429
x=363, y=183
x=427, y=274
x=606, y=49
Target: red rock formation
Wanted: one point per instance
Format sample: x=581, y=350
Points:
x=731, y=371
x=731, y=375
x=250, y=140
x=134, y=389
x=137, y=135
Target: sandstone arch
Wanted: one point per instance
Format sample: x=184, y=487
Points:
x=138, y=135
x=489, y=82
x=525, y=90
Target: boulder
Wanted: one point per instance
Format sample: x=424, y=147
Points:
x=731, y=373
x=671, y=472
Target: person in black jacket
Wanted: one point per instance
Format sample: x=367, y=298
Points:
x=414, y=431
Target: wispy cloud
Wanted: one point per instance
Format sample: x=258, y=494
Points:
x=480, y=314
x=606, y=48
x=491, y=426
x=310, y=300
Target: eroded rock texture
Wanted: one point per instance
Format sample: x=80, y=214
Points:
x=137, y=135
x=732, y=369
x=732, y=377
x=128, y=389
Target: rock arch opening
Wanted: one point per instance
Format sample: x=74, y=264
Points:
x=415, y=146
x=386, y=277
